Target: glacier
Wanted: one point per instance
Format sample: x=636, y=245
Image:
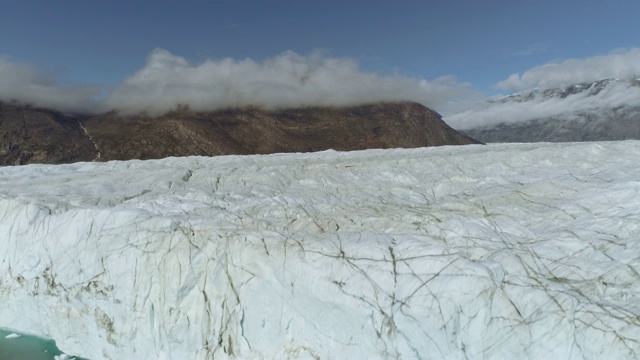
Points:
x=468, y=252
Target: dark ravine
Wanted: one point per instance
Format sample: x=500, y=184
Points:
x=33, y=135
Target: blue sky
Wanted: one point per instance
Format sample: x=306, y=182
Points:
x=104, y=43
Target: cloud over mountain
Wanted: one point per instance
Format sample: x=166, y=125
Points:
x=285, y=80
x=533, y=87
x=540, y=104
x=24, y=84
x=620, y=64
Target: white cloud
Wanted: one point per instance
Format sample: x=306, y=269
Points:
x=615, y=94
x=286, y=80
x=24, y=84
x=620, y=64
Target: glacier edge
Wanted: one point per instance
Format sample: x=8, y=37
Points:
x=496, y=251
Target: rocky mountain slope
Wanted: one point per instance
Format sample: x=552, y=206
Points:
x=602, y=110
x=31, y=135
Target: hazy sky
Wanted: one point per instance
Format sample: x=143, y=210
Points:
x=447, y=54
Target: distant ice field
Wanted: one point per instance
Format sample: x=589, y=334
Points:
x=498, y=252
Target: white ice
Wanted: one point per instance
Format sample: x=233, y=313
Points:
x=501, y=251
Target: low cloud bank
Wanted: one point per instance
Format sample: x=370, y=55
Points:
x=621, y=64
x=615, y=94
x=286, y=80
x=23, y=84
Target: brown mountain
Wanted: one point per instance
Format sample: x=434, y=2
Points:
x=31, y=135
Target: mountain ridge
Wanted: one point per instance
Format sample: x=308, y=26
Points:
x=36, y=135
x=607, y=109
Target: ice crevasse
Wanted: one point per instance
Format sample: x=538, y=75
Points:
x=498, y=251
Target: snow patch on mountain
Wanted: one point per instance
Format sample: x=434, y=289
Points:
x=499, y=251
x=568, y=102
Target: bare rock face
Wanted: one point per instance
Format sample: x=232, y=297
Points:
x=111, y=136
x=29, y=135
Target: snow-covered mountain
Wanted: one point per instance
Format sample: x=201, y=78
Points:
x=501, y=251
x=601, y=110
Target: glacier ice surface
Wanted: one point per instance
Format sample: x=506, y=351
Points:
x=498, y=251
